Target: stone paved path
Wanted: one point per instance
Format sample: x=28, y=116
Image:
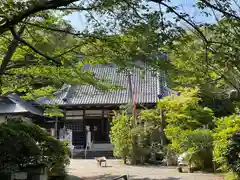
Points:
x=88, y=170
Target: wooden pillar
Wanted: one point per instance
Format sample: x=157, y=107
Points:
x=102, y=126
x=56, y=127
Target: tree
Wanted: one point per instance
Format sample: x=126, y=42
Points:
x=211, y=48
x=128, y=14
x=184, y=112
x=188, y=125
x=37, y=61
x=22, y=68
x=13, y=12
x=214, y=67
x=28, y=66
x=121, y=136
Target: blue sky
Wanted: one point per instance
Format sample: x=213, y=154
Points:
x=79, y=21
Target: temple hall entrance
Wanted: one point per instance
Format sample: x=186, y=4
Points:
x=99, y=128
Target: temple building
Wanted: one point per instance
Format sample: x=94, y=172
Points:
x=88, y=111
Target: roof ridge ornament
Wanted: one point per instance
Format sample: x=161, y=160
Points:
x=67, y=94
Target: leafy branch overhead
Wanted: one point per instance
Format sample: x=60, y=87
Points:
x=36, y=37
x=40, y=49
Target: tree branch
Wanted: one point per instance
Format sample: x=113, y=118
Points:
x=75, y=8
x=35, y=7
x=68, y=51
x=236, y=3
x=220, y=10
x=183, y=18
x=224, y=77
x=133, y=8
x=224, y=44
x=54, y=29
x=21, y=64
x=70, y=32
x=15, y=35
x=11, y=50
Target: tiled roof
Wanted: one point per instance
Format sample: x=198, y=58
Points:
x=146, y=88
x=24, y=104
x=17, y=105
x=11, y=108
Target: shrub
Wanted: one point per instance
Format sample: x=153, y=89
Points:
x=55, y=155
x=132, y=143
x=184, y=122
x=226, y=127
x=33, y=146
x=230, y=176
x=152, y=122
x=199, y=143
x=232, y=155
x=17, y=150
x=121, y=136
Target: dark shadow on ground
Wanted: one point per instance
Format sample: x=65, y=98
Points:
x=71, y=177
x=110, y=177
x=99, y=177
x=168, y=178
x=152, y=166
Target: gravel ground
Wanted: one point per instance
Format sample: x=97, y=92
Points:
x=89, y=170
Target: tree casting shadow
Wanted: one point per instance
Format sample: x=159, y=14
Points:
x=71, y=177
x=110, y=177
x=168, y=178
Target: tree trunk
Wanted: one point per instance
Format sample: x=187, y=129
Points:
x=8, y=56
x=162, y=126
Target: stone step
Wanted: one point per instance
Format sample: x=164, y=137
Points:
x=92, y=154
x=102, y=147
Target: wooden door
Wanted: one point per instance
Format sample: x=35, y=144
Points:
x=96, y=129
